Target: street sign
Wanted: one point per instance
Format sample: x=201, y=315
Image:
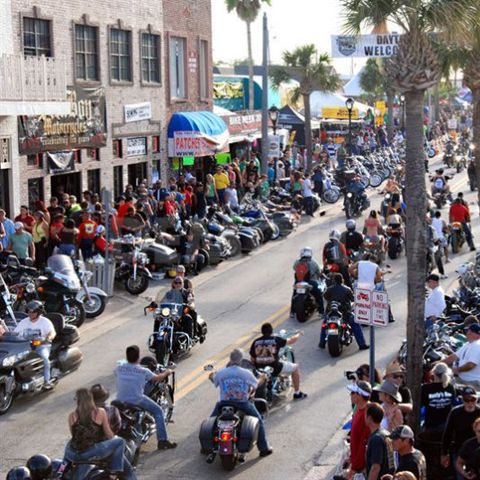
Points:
x=371, y=307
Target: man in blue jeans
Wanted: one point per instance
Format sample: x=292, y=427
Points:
x=131, y=381
x=236, y=385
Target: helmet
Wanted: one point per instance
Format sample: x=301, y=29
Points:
x=40, y=467
x=306, y=252
x=334, y=235
x=100, y=229
x=351, y=224
x=34, y=306
x=19, y=473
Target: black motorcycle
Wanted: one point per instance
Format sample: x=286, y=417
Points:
x=169, y=340
x=339, y=333
x=21, y=369
x=303, y=301
x=354, y=204
x=394, y=241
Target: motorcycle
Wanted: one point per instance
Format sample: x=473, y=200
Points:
x=94, y=299
x=21, y=369
x=168, y=341
x=131, y=264
x=374, y=246
x=303, y=302
x=457, y=236
x=354, y=204
x=394, y=241
x=339, y=332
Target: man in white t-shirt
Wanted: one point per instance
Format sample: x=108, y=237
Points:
x=435, y=302
x=307, y=194
x=366, y=272
x=36, y=326
x=467, y=358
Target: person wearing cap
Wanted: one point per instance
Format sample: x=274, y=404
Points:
x=396, y=374
x=390, y=398
x=360, y=392
x=237, y=385
x=435, y=302
x=458, y=428
x=468, y=460
x=21, y=243
x=100, y=396
x=467, y=358
x=409, y=459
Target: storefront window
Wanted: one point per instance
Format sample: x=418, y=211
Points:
x=203, y=69
x=117, y=181
x=86, y=52
x=35, y=160
x=93, y=180
x=136, y=173
x=177, y=68
x=120, y=55
x=36, y=37
x=35, y=190
x=150, y=58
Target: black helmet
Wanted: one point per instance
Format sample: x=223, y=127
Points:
x=34, y=306
x=40, y=467
x=19, y=473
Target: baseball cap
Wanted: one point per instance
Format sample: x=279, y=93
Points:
x=364, y=389
x=434, y=277
x=469, y=392
x=475, y=328
x=18, y=225
x=403, y=431
x=180, y=268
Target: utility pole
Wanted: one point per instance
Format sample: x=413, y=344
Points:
x=265, y=143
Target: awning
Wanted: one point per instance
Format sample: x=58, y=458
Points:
x=196, y=134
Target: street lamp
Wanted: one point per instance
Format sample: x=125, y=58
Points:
x=273, y=113
x=349, y=104
x=402, y=102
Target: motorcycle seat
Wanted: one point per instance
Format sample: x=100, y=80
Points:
x=98, y=462
x=125, y=405
x=58, y=321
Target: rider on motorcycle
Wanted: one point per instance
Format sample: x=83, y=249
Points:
x=237, y=385
x=335, y=255
x=461, y=213
x=338, y=292
x=308, y=270
x=440, y=184
x=356, y=187
x=352, y=239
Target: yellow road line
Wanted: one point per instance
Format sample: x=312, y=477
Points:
x=196, y=377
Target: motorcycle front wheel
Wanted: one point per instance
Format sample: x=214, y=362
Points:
x=75, y=309
x=164, y=400
x=162, y=353
x=6, y=399
x=138, y=286
x=95, y=306
x=331, y=195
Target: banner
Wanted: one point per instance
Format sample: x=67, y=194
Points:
x=243, y=124
x=339, y=113
x=138, y=112
x=61, y=162
x=193, y=144
x=370, y=46
x=274, y=146
x=83, y=127
x=136, y=146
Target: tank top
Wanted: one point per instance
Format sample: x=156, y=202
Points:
x=366, y=274
x=86, y=435
x=437, y=224
x=38, y=233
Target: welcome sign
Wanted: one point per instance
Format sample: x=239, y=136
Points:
x=361, y=46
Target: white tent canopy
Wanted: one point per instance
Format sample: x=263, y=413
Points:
x=353, y=88
x=319, y=100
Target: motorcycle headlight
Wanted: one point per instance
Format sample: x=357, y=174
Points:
x=349, y=195
x=142, y=258
x=30, y=287
x=165, y=312
x=87, y=275
x=12, y=359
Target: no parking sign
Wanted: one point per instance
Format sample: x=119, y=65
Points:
x=371, y=307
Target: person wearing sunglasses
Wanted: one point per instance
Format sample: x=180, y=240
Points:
x=468, y=464
x=396, y=374
x=458, y=428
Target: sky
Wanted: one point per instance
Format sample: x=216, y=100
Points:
x=291, y=24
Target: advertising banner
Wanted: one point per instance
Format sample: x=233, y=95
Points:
x=136, y=146
x=83, y=127
x=138, y=112
x=370, y=46
x=193, y=144
x=243, y=124
x=61, y=162
x=274, y=146
x=339, y=113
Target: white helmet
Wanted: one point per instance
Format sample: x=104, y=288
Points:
x=100, y=230
x=306, y=252
x=334, y=235
x=351, y=224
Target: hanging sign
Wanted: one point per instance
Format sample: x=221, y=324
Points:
x=274, y=146
x=138, y=112
x=60, y=162
x=370, y=46
x=339, y=113
x=136, y=146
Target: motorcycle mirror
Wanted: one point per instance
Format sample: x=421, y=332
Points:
x=208, y=368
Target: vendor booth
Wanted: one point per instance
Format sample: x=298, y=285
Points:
x=290, y=119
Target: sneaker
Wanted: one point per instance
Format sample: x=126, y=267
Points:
x=48, y=386
x=266, y=453
x=472, y=249
x=321, y=345
x=241, y=458
x=299, y=396
x=166, y=445
x=364, y=347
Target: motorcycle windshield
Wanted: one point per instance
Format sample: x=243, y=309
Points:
x=63, y=269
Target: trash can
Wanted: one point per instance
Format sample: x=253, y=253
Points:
x=98, y=267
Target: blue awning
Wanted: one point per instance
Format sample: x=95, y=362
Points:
x=204, y=122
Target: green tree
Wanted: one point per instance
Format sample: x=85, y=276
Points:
x=415, y=69
x=312, y=72
x=247, y=11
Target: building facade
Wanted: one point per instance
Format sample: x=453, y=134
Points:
x=121, y=69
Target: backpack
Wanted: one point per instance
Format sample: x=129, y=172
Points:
x=333, y=252
x=302, y=272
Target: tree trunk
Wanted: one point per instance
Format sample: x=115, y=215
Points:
x=436, y=99
x=251, y=91
x=416, y=195
x=390, y=99
x=476, y=135
x=308, y=130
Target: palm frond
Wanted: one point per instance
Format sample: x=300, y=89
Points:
x=279, y=75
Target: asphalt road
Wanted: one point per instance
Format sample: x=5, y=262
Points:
x=235, y=299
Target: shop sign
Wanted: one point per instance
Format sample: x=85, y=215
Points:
x=192, y=62
x=243, y=124
x=274, y=146
x=136, y=146
x=60, y=162
x=83, y=127
x=4, y=152
x=138, y=112
x=192, y=144
x=370, y=46
x=339, y=113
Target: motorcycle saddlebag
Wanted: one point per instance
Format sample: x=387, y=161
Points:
x=207, y=431
x=69, y=359
x=248, y=434
x=69, y=335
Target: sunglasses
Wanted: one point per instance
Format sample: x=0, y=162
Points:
x=399, y=376
x=177, y=283
x=470, y=400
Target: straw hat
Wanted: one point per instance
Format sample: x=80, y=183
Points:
x=393, y=367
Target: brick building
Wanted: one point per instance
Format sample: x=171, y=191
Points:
x=114, y=74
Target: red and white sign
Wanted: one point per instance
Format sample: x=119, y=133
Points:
x=193, y=144
x=371, y=307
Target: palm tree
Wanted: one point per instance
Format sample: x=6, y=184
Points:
x=248, y=10
x=312, y=72
x=415, y=69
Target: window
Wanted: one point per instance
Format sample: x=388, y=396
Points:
x=203, y=86
x=35, y=160
x=117, y=148
x=35, y=190
x=93, y=154
x=117, y=180
x=177, y=68
x=93, y=180
x=155, y=144
x=77, y=156
x=86, y=53
x=120, y=55
x=150, y=58
x=36, y=37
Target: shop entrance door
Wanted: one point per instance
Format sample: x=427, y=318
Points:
x=5, y=192
x=136, y=173
x=70, y=183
